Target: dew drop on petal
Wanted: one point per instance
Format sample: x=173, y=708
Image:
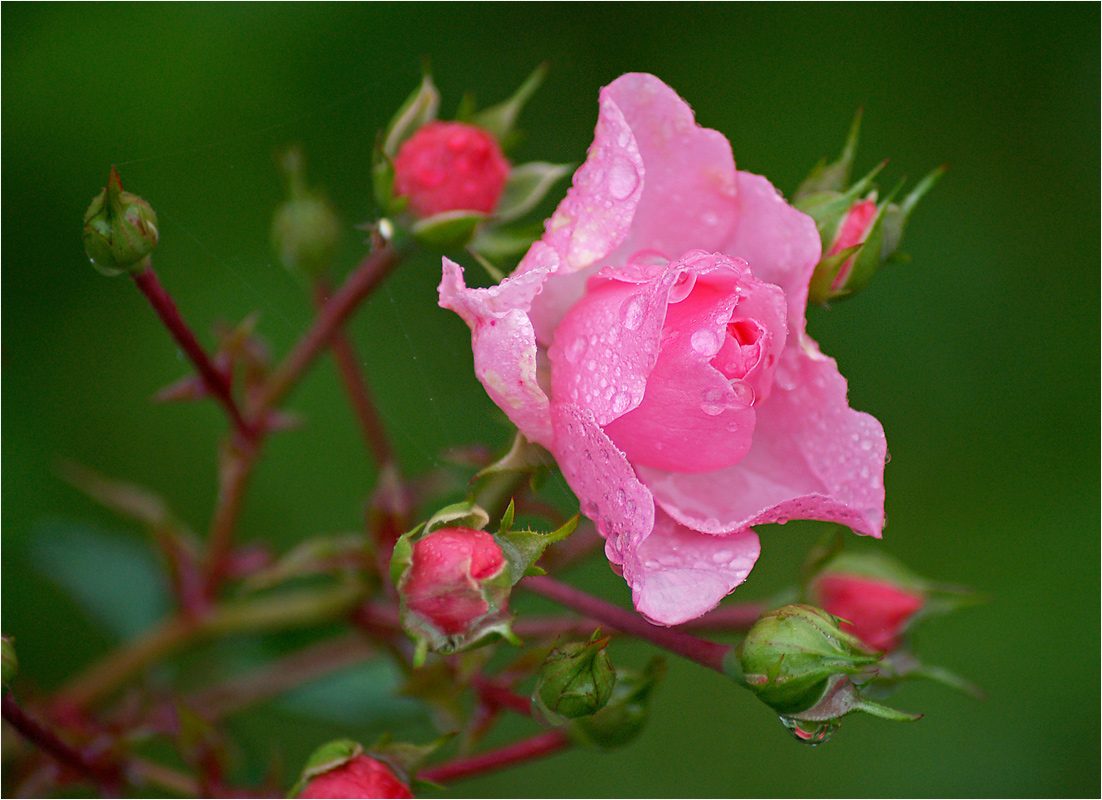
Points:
x=631, y=312
x=705, y=342
x=622, y=179
x=620, y=402
x=712, y=402
x=808, y=732
x=744, y=392
x=575, y=349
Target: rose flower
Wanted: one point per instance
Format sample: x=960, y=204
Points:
x=654, y=341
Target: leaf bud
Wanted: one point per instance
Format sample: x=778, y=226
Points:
x=576, y=680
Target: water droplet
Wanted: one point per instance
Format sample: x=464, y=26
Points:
x=631, y=312
x=705, y=342
x=744, y=392
x=629, y=506
x=713, y=402
x=682, y=287
x=575, y=349
x=620, y=402
x=722, y=556
x=866, y=445
x=808, y=732
x=785, y=376
x=622, y=179
x=621, y=496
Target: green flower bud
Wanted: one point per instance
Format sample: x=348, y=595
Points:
x=305, y=230
x=626, y=712
x=8, y=661
x=576, y=680
x=791, y=655
x=120, y=230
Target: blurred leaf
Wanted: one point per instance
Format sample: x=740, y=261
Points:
x=362, y=696
x=115, y=580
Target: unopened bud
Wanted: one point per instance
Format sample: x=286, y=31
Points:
x=626, y=712
x=576, y=680
x=454, y=588
x=120, y=230
x=450, y=166
x=305, y=230
x=341, y=770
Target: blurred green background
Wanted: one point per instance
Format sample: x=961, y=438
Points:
x=979, y=357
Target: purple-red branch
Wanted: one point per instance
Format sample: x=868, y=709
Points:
x=708, y=654
x=216, y=381
x=538, y=746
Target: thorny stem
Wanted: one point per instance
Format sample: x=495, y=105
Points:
x=355, y=385
x=708, y=654
x=363, y=279
x=102, y=772
x=538, y=746
x=215, y=381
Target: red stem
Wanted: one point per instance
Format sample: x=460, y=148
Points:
x=542, y=744
x=708, y=654
x=107, y=775
x=355, y=385
x=215, y=381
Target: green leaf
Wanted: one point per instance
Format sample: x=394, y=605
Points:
x=465, y=514
x=364, y=696
x=115, y=580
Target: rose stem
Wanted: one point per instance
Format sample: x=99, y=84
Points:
x=355, y=385
x=215, y=381
x=104, y=773
x=542, y=744
x=708, y=654
x=363, y=279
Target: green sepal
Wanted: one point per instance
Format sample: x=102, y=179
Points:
x=319, y=555
x=830, y=546
x=500, y=119
x=329, y=756
x=828, y=209
x=418, y=110
x=404, y=758
x=523, y=548
x=496, y=275
x=833, y=177
x=819, y=291
x=884, y=712
x=526, y=186
x=402, y=556
x=465, y=515
x=448, y=230
x=870, y=257
x=504, y=244
x=523, y=456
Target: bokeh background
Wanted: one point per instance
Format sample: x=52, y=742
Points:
x=979, y=357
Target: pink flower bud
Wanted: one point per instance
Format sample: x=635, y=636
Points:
x=876, y=611
x=450, y=166
x=358, y=777
x=444, y=584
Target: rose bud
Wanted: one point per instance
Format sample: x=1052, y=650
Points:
x=799, y=662
x=626, y=712
x=450, y=166
x=120, y=230
x=454, y=588
x=305, y=230
x=576, y=680
x=876, y=597
x=359, y=776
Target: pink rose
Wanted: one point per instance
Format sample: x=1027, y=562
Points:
x=359, y=777
x=654, y=341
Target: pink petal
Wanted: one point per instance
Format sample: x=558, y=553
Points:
x=599, y=474
x=813, y=457
x=780, y=243
x=688, y=200
x=504, y=344
x=677, y=574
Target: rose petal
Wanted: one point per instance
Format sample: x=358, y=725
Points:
x=600, y=475
x=688, y=200
x=677, y=574
x=780, y=243
x=813, y=457
x=504, y=344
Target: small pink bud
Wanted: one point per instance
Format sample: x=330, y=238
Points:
x=450, y=166
x=444, y=584
x=876, y=611
x=358, y=777
x=855, y=226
